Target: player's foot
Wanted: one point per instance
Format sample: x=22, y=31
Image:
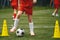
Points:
x=14, y=16
x=57, y=15
x=32, y=33
x=12, y=29
x=53, y=14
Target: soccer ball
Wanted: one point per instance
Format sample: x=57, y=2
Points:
x=20, y=32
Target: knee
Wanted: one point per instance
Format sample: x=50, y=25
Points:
x=19, y=14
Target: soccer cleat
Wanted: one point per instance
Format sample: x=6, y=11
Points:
x=13, y=29
x=57, y=15
x=32, y=33
x=14, y=16
x=53, y=14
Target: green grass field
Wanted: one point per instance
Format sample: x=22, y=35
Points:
x=43, y=23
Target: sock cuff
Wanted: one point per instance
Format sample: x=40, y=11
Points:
x=16, y=19
x=31, y=23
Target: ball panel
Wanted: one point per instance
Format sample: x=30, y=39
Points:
x=20, y=32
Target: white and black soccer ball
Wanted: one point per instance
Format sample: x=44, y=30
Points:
x=20, y=32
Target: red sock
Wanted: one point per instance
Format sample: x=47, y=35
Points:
x=14, y=15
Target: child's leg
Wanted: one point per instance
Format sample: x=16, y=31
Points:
x=31, y=25
x=14, y=14
x=55, y=11
x=16, y=21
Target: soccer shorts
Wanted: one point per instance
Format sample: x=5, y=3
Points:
x=14, y=4
x=56, y=3
x=27, y=10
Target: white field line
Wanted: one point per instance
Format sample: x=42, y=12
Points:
x=34, y=27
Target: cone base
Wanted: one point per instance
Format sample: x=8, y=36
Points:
x=4, y=35
x=56, y=36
